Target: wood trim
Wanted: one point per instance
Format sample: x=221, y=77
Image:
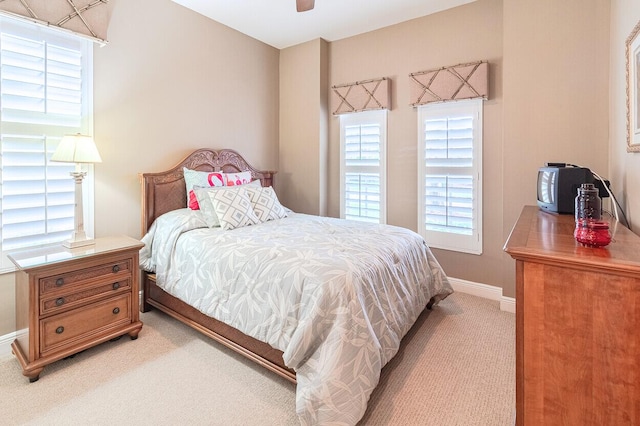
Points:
x=519, y=342
x=233, y=339
x=548, y=238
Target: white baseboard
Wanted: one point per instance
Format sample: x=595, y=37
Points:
x=5, y=344
x=507, y=304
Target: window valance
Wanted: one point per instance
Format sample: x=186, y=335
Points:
x=361, y=96
x=463, y=81
x=89, y=18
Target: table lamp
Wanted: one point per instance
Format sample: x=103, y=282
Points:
x=77, y=149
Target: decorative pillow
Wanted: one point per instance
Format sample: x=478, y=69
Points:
x=233, y=208
x=193, y=201
x=265, y=203
x=234, y=179
x=209, y=213
x=205, y=179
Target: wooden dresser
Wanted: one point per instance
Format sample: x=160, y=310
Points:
x=577, y=324
x=68, y=300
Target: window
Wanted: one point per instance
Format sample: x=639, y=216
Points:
x=45, y=93
x=450, y=173
x=363, y=151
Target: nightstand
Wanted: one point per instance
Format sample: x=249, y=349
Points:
x=68, y=300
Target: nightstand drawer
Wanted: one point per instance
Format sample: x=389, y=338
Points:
x=74, y=326
x=81, y=295
x=107, y=272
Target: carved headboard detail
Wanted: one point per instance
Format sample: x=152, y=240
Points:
x=166, y=191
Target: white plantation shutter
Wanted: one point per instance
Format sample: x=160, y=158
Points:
x=363, y=166
x=45, y=87
x=450, y=167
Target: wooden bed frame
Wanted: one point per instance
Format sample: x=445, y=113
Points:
x=166, y=191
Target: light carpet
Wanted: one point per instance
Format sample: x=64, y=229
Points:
x=455, y=367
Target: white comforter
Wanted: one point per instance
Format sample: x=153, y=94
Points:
x=334, y=296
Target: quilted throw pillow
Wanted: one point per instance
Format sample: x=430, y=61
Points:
x=193, y=178
x=204, y=199
x=233, y=208
x=265, y=203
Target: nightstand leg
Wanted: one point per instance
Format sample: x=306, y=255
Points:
x=134, y=333
x=32, y=373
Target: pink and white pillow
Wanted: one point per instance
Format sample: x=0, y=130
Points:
x=193, y=178
x=236, y=179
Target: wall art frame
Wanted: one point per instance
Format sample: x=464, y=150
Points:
x=632, y=52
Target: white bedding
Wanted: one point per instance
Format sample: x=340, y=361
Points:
x=334, y=296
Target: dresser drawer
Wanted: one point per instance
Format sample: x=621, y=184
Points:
x=82, y=294
x=108, y=271
x=73, y=327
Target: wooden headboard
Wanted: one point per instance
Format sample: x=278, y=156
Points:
x=166, y=191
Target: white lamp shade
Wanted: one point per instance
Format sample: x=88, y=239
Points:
x=77, y=149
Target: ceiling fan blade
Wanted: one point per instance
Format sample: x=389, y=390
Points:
x=304, y=5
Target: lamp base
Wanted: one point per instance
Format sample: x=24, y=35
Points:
x=78, y=243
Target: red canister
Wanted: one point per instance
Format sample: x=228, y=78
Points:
x=590, y=230
x=592, y=233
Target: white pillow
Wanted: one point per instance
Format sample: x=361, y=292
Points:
x=206, y=206
x=233, y=208
x=265, y=203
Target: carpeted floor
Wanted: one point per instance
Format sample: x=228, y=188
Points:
x=455, y=367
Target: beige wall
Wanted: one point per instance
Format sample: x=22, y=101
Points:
x=303, y=128
x=168, y=82
x=555, y=95
x=463, y=34
x=548, y=102
x=7, y=305
x=625, y=167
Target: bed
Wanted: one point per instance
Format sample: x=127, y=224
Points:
x=322, y=302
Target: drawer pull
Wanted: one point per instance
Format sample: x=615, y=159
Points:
x=116, y=310
x=59, y=330
x=115, y=268
x=59, y=281
x=60, y=301
x=116, y=285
